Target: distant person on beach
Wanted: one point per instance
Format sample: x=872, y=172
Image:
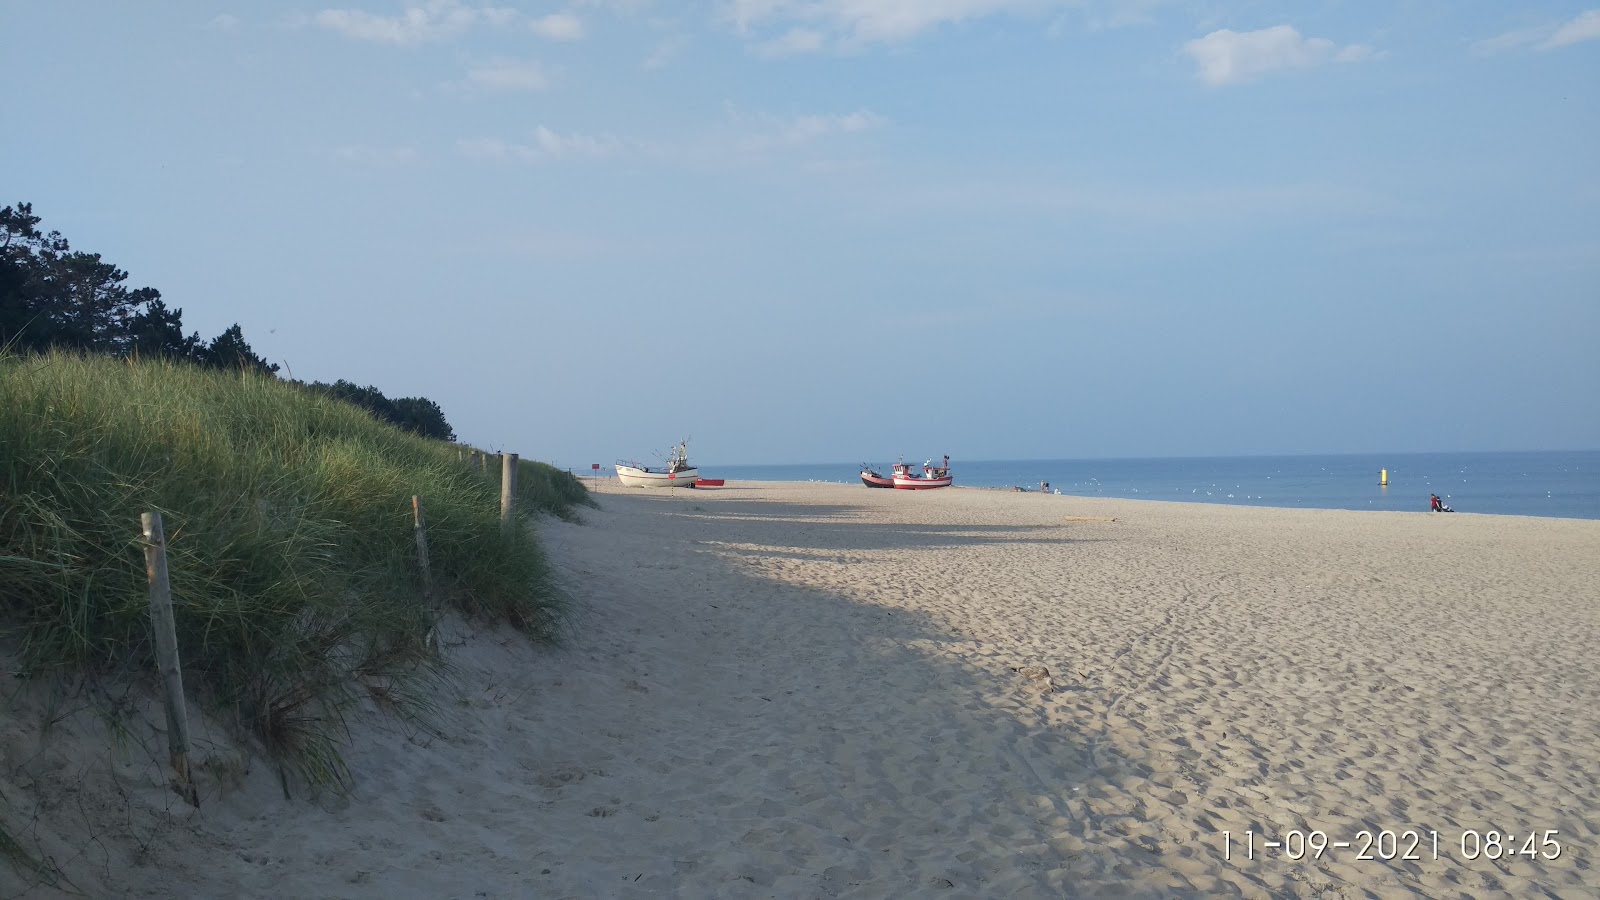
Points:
x=1439, y=505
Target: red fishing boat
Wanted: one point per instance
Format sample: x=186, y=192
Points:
x=932, y=476
x=871, y=478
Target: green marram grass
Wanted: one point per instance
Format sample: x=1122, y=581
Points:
x=290, y=542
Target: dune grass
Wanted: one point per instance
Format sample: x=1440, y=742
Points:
x=290, y=542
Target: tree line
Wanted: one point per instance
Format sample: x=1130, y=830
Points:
x=53, y=297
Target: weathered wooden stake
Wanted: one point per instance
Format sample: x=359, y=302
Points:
x=430, y=641
x=166, y=629
x=508, y=486
x=421, y=527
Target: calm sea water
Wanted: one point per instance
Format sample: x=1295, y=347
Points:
x=1564, y=484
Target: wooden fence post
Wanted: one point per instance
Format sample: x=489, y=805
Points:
x=430, y=641
x=477, y=462
x=421, y=527
x=166, y=633
x=508, y=486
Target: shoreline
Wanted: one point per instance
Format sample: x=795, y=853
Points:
x=616, y=488
x=1544, y=484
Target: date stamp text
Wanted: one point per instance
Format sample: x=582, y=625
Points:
x=1387, y=845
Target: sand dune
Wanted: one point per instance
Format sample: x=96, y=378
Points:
x=825, y=691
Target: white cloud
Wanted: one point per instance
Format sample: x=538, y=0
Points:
x=1521, y=37
x=793, y=42
x=558, y=27
x=772, y=131
x=875, y=21
x=1229, y=57
x=546, y=144
x=778, y=27
x=743, y=138
x=509, y=75
x=429, y=21
x=560, y=146
x=1585, y=26
x=665, y=52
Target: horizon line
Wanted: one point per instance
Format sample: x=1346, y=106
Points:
x=1293, y=455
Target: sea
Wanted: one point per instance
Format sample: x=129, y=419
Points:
x=1564, y=484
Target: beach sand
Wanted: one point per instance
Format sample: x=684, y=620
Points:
x=814, y=690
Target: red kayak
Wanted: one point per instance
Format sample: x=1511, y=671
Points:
x=708, y=482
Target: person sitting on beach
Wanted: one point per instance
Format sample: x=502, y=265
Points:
x=1436, y=504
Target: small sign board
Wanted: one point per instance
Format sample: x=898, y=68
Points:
x=594, y=466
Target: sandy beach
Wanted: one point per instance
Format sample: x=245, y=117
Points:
x=818, y=690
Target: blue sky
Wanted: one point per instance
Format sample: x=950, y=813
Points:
x=812, y=230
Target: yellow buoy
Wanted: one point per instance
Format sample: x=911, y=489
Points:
x=1383, y=477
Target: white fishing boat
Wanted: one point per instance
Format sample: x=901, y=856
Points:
x=932, y=476
x=676, y=473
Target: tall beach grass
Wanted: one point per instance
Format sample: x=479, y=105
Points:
x=288, y=519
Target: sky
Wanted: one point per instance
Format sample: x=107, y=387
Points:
x=816, y=230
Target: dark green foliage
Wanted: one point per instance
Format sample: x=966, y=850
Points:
x=228, y=350
x=368, y=398
x=418, y=415
x=53, y=296
x=156, y=332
